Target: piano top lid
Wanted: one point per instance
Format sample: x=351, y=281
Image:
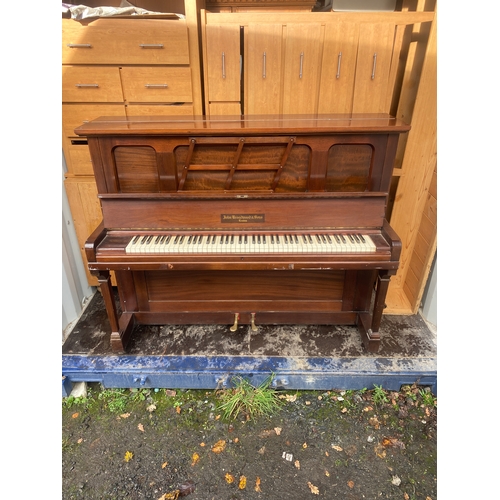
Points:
x=249, y=124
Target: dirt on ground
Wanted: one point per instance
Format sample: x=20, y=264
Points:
x=164, y=444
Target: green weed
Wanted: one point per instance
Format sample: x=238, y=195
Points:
x=379, y=396
x=427, y=398
x=115, y=399
x=246, y=399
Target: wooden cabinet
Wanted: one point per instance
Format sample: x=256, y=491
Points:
x=293, y=63
x=120, y=67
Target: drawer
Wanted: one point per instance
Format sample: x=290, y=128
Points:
x=74, y=115
x=125, y=41
x=79, y=161
x=157, y=84
x=159, y=110
x=91, y=84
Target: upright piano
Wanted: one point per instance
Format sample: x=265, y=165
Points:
x=244, y=220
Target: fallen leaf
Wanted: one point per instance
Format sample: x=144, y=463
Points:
x=173, y=495
x=195, y=458
x=396, y=481
x=304, y=445
x=344, y=410
x=393, y=442
x=243, y=483
x=380, y=451
x=151, y=408
x=327, y=454
x=178, y=409
x=350, y=484
x=236, y=440
x=125, y=415
x=308, y=403
x=140, y=427
x=229, y=478
x=164, y=464
x=290, y=398
x=257, y=485
x=75, y=415
x=202, y=445
x=314, y=489
x=80, y=441
x=128, y=456
x=406, y=496
x=297, y=464
x=327, y=474
x=219, y=446
x=267, y=433
x=262, y=451
x=338, y=448
x=170, y=393
x=374, y=421
x=277, y=430
x=368, y=408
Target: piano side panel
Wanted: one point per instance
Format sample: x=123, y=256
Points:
x=176, y=213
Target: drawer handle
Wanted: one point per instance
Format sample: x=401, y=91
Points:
x=223, y=65
x=264, y=65
x=79, y=45
x=156, y=85
x=374, y=65
x=301, y=64
x=151, y=45
x=93, y=85
x=339, y=60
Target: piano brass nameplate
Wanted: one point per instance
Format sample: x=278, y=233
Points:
x=242, y=218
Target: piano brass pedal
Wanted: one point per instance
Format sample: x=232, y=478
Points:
x=254, y=328
x=235, y=326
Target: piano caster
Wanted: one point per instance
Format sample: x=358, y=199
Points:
x=254, y=328
x=235, y=326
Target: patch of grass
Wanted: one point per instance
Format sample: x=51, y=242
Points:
x=427, y=398
x=246, y=399
x=115, y=399
x=379, y=396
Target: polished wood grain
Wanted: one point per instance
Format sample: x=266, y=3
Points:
x=247, y=175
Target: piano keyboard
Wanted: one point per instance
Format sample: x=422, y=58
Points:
x=250, y=243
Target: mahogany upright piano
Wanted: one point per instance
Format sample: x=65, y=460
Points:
x=244, y=220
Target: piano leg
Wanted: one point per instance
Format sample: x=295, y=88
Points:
x=369, y=324
x=121, y=328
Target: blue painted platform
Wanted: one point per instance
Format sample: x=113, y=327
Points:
x=315, y=357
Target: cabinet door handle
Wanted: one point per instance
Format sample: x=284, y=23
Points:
x=264, y=65
x=156, y=85
x=151, y=45
x=339, y=59
x=301, y=64
x=223, y=65
x=93, y=85
x=79, y=45
x=374, y=65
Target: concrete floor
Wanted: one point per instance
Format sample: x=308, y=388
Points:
x=301, y=356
